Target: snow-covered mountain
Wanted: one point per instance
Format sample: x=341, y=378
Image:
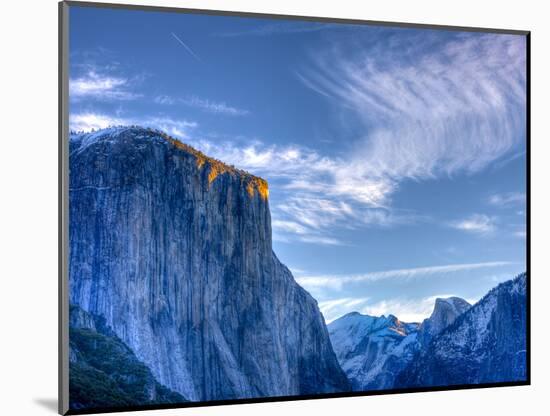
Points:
x=486, y=344
x=446, y=310
x=367, y=346
x=173, y=250
x=374, y=350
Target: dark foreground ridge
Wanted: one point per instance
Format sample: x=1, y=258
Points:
x=104, y=372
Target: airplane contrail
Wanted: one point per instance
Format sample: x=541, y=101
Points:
x=187, y=48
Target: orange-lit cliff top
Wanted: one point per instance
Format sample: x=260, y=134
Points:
x=216, y=167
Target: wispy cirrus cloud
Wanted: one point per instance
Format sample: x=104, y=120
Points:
x=338, y=281
x=429, y=109
x=101, y=87
x=300, y=232
x=216, y=107
x=476, y=223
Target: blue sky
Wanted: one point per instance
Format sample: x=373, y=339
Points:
x=395, y=157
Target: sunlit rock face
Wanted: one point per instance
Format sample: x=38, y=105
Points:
x=374, y=350
x=174, y=250
x=486, y=344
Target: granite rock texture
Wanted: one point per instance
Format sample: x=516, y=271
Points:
x=173, y=249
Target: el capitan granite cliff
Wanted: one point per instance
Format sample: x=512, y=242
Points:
x=173, y=250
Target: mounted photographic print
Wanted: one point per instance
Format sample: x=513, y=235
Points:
x=264, y=208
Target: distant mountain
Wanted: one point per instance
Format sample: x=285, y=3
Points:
x=367, y=346
x=444, y=314
x=104, y=372
x=173, y=249
x=374, y=350
x=486, y=344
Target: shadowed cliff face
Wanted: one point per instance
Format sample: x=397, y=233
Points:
x=173, y=249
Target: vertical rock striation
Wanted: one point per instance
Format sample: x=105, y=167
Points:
x=173, y=250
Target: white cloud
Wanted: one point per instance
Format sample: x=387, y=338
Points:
x=177, y=128
x=507, y=199
x=165, y=100
x=476, y=223
x=316, y=212
x=296, y=271
x=406, y=309
x=338, y=281
x=335, y=308
x=100, y=87
x=202, y=104
x=300, y=232
x=319, y=239
x=93, y=121
x=214, y=107
x=428, y=112
x=313, y=194
x=87, y=121
x=520, y=234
